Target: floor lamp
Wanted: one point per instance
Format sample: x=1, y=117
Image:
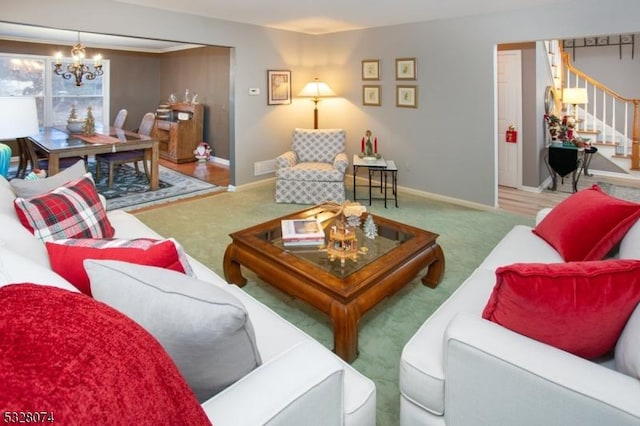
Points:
x=18, y=119
x=316, y=90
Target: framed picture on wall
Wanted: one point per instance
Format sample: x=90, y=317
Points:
x=278, y=87
x=371, y=95
x=407, y=96
x=406, y=69
x=371, y=69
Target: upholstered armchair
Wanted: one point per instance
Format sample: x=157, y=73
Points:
x=312, y=172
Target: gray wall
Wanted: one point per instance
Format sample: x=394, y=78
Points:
x=446, y=146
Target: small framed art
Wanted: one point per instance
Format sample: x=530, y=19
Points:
x=406, y=69
x=278, y=87
x=407, y=96
x=371, y=69
x=371, y=95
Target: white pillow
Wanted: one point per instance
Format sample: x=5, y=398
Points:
x=627, y=353
x=16, y=269
x=205, y=329
x=630, y=244
x=31, y=188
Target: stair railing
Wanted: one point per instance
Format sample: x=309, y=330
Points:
x=617, y=117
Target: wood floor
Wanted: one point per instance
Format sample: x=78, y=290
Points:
x=510, y=199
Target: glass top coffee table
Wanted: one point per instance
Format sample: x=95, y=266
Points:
x=346, y=291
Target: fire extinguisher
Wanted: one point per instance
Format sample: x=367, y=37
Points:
x=512, y=134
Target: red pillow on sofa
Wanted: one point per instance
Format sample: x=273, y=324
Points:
x=67, y=256
x=73, y=210
x=588, y=224
x=579, y=307
x=85, y=363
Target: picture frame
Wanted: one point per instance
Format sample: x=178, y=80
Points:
x=371, y=69
x=278, y=87
x=407, y=96
x=371, y=95
x=406, y=69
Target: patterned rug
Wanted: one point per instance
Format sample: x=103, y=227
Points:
x=131, y=190
x=620, y=191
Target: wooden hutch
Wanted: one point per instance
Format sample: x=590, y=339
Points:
x=181, y=134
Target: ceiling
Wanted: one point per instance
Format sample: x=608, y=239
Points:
x=303, y=16
x=328, y=16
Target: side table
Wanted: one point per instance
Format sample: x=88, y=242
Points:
x=564, y=160
x=386, y=168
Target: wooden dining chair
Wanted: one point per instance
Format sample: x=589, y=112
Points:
x=113, y=159
x=30, y=159
x=121, y=117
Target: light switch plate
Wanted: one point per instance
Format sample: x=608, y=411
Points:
x=254, y=91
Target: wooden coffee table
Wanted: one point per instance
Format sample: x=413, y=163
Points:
x=344, y=292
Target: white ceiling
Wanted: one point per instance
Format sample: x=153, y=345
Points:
x=306, y=16
x=327, y=16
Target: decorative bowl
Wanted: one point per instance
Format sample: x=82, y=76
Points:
x=75, y=126
x=370, y=159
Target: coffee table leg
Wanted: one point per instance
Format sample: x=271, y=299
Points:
x=232, y=271
x=436, y=268
x=345, y=331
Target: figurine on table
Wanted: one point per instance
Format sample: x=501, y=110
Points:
x=369, y=146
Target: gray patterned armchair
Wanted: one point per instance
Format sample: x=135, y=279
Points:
x=313, y=171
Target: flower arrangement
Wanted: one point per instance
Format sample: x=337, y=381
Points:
x=563, y=129
x=202, y=152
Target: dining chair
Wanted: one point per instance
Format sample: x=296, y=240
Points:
x=113, y=159
x=121, y=117
x=28, y=156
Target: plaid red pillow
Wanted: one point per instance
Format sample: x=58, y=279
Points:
x=73, y=210
x=67, y=256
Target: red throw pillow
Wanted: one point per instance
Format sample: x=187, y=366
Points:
x=67, y=256
x=588, y=224
x=72, y=360
x=73, y=210
x=579, y=307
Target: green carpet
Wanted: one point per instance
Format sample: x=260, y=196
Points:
x=466, y=236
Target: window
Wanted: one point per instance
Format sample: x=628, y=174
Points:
x=26, y=75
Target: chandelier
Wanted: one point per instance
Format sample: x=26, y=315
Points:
x=78, y=69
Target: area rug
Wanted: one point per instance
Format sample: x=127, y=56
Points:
x=466, y=237
x=621, y=191
x=130, y=190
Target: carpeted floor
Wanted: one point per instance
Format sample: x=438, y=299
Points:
x=466, y=236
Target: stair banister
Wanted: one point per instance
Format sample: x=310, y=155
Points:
x=635, y=134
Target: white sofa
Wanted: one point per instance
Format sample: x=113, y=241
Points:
x=460, y=369
x=298, y=382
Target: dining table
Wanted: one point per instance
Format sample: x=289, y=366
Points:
x=58, y=142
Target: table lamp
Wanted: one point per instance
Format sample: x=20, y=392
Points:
x=316, y=90
x=18, y=119
x=575, y=96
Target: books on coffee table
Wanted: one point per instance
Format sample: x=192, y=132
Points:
x=302, y=232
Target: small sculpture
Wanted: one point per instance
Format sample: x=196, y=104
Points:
x=74, y=124
x=89, y=128
x=369, y=148
x=202, y=152
x=370, y=228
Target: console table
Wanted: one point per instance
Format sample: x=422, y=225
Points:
x=386, y=168
x=564, y=160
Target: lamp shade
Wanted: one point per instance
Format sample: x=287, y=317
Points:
x=18, y=117
x=316, y=89
x=575, y=96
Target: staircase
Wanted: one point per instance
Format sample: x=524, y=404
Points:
x=608, y=119
x=612, y=118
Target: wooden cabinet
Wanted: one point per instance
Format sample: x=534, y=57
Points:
x=180, y=135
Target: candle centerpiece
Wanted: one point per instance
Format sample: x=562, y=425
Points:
x=369, y=147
